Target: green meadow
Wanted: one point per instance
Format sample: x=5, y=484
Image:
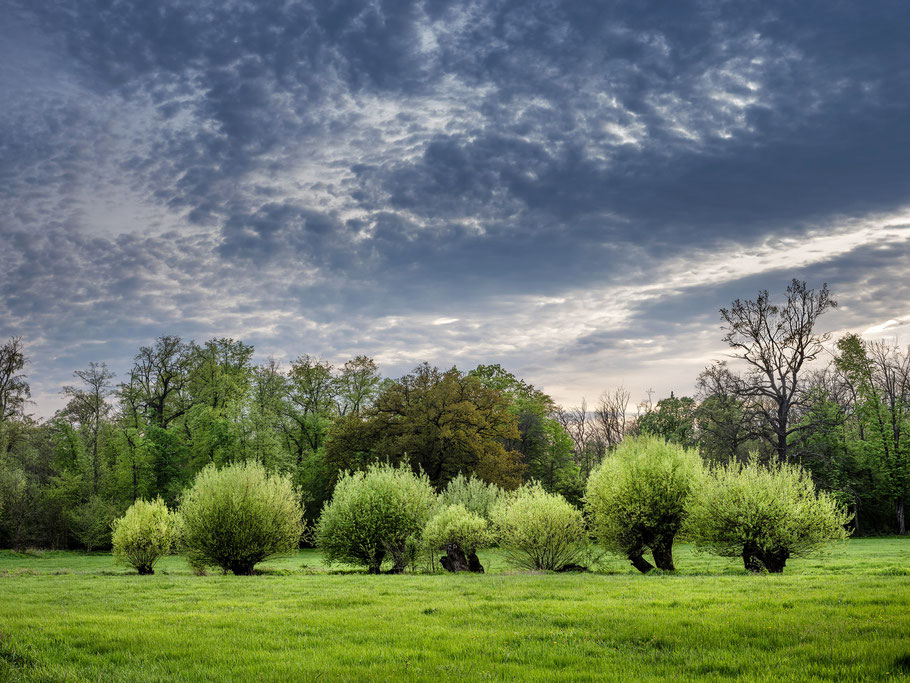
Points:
x=841, y=616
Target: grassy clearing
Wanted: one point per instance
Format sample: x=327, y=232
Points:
x=78, y=617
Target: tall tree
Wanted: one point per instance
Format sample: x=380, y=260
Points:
x=775, y=341
x=14, y=389
x=443, y=423
x=89, y=408
x=881, y=375
x=611, y=416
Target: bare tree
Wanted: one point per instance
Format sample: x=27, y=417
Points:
x=776, y=342
x=580, y=425
x=611, y=416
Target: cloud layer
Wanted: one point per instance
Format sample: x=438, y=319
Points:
x=570, y=189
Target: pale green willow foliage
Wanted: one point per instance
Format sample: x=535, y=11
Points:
x=764, y=514
x=240, y=515
x=539, y=530
x=637, y=498
x=474, y=494
x=145, y=533
x=373, y=514
x=456, y=524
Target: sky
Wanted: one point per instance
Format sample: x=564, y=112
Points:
x=569, y=189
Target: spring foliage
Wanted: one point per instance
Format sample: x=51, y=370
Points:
x=474, y=494
x=764, y=514
x=145, y=533
x=637, y=498
x=373, y=514
x=240, y=515
x=539, y=530
x=456, y=524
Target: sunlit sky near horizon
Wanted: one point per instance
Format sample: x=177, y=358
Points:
x=571, y=190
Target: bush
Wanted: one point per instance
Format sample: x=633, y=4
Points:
x=373, y=514
x=144, y=534
x=763, y=514
x=238, y=516
x=539, y=530
x=460, y=533
x=474, y=494
x=636, y=499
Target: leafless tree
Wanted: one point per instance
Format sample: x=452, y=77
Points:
x=776, y=341
x=611, y=416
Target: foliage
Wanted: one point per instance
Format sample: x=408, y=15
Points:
x=637, y=498
x=764, y=514
x=673, y=419
x=475, y=495
x=456, y=524
x=442, y=423
x=544, y=446
x=375, y=513
x=539, y=530
x=240, y=515
x=91, y=522
x=145, y=533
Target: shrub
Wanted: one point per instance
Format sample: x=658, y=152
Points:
x=238, y=516
x=146, y=532
x=474, y=494
x=373, y=514
x=539, y=530
x=460, y=533
x=763, y=514
x=636, y=499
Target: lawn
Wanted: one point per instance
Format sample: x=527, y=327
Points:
x=845, y=616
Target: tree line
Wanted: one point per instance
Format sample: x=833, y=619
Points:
x=839, y=410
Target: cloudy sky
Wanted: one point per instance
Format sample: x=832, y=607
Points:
x=571, y=189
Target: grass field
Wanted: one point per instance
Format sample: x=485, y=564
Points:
x=73, y=617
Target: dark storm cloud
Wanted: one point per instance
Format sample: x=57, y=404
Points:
x=219, y=165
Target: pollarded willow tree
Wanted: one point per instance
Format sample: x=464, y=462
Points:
x=240, y=515
x=763, y=514
x=374, y=515
x=636, y=499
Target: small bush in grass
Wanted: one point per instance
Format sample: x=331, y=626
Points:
x=474, y=494
x=763, y=514
x=460, y=533
x=374, y=514
x=238, y=516
x=145, y=533
x=636, y=499
x=539, y=530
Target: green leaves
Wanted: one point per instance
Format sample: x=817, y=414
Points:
x=764, y=514
x=637, y=497
x=240, y=515
x=375, y=513
x=144, y=534
x=539, y=530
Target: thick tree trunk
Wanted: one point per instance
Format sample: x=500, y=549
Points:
x=242, y=568
x=456, y=560
x=376, y=566
x=901, y=521
x=640, y=563
x=775, y=560
x=663, y=555
x=750, y=558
